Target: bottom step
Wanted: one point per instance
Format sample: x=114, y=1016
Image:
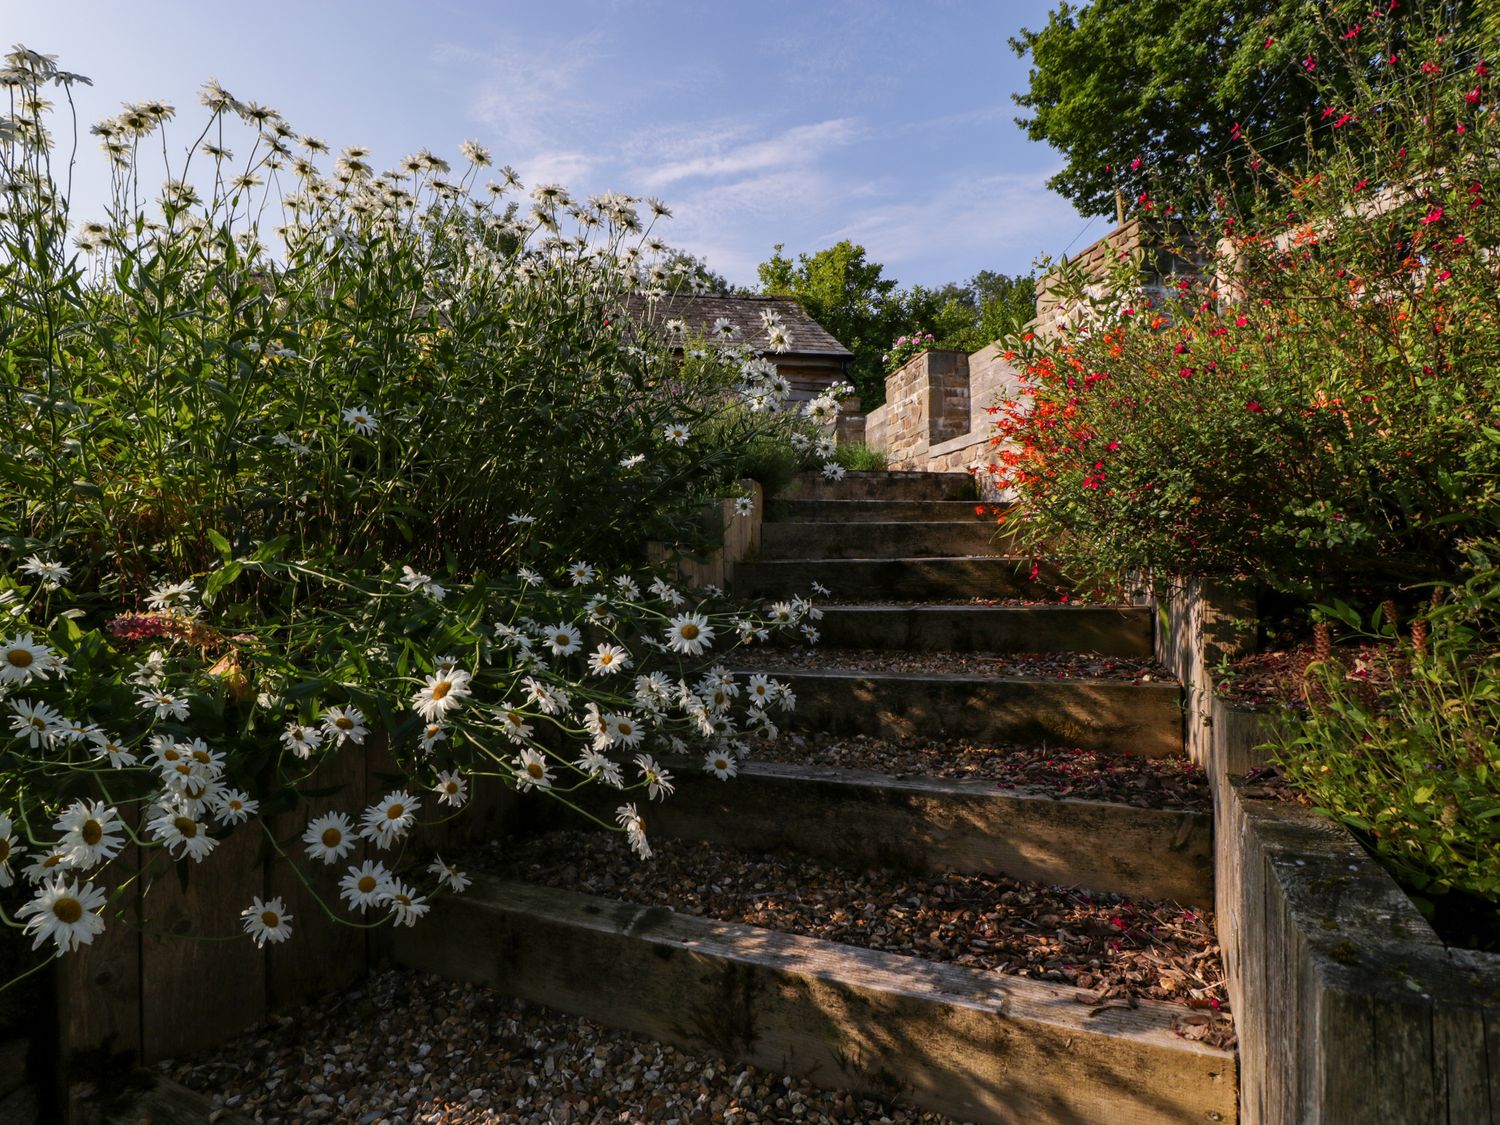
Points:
x=959, y=1041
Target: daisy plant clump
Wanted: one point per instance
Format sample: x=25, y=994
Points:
x=305, y=459
x=1300, y=390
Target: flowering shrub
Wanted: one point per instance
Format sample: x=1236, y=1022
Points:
x=905, y=348
x=1316, y=408
x=1414, y=769
x=262, y=506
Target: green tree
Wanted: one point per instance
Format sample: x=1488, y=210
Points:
x=848, y=295
x=1151, y=95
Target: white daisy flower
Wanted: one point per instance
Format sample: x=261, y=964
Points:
x=301, y=740
x=513, y=723
x=112, y=749
x=532, y=771
x=689, y=634
x=267, y=921
x=520, y=519
x=678, y=434
x=234, y=806
x=627, y=587
x=440, y=693
x=811, y=634
x=623, y=730
x=676, y=329
x=329, y=838
x=832, y=470
x=595, y=765
x=365, y=886
x=23, y=658
x=151, y=671
x=663, y=590
x=10, y=851
x=416, y=580
x=346, y=724
x=451, y=788
x=529, y=577
x=819, y=588
x=448, y=875
x=632, y=461
x=608, y=659
x=635, y=829
x=35, y=722
x=71, y=731
x=581, y=573
x=658, y=781
x=760, y=690
x=163, y=704
x=432, y=734
x=389, y=819
x=721, y=765
x=408, y=905
x=781, y=613
x=64, y=913
x=362, y=419
x=475, y=153
x=744, y=506
x=170, y=595
x=45, y=865
x=563, y=640
x=174, y=828
x=51, y=573
x=551, y=700
x=91, y=833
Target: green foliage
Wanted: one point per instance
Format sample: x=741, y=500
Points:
x=857, y=457
x=1141, y=94
x=1315, y=410
x=1416, y=769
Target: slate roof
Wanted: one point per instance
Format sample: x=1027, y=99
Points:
x=809, y=338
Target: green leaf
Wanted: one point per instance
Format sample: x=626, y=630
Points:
x=220, y=544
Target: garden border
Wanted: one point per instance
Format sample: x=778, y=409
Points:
x=1348, y=1006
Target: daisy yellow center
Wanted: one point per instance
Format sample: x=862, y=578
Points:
x=52, y=861
x=606, y=658
x=366, y=884
x=401, y=900
x=186, y=828
x=332, y=837
x=395, y=812
x=194, y=791
x=626, y=729
x=92, y=832
x=170, y=755
x=451, y=787
x=720, y=763
x=67, y=910
x=202, y=756
x=19, y=658
x=535, y=769
x=184, y=768
x=688, y=631
x=38, y=724
x=441, y=688
x=515, y=718
x=344, y=722
x=563, y=640
x=270, y=919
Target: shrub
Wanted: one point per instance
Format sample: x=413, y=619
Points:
x=1316, y=408
x=262, y=505
x=906, y=348
x=1416, y=769
x=857, y=457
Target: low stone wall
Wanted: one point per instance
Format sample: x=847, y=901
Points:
x=936, y=416
x=1349, y=1007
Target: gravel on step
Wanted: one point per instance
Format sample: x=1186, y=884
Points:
x=406, y=1048
x=1031, y=665
x=1113, y=950
x=1127, y=779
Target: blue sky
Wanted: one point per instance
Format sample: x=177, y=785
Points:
x=803, y=123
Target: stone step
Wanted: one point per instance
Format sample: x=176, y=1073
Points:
x=883, y=486
x=974, y=1045
x=862, y=819
x=880, y=540
x=878, y=511
x=1109, y=630
x=915, y=579
x=1113, y=716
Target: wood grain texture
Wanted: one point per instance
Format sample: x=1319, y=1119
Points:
x=931, y=824
x=960, y=1041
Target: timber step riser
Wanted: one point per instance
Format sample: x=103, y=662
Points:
x=1111, y=631
x=1111, y=716
x=913, y=579
x=950, y=1039
x=885, y=486
x=861, y=819
x=881, y=540
x=878, y=511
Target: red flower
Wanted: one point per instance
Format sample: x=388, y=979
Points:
x=1353, y=31
x=1255, y=407
x=1472, y=97
x=1432, y=216
x=1241, y=321
x=1309, y=63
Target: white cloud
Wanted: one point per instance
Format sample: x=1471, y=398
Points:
x=799, y=145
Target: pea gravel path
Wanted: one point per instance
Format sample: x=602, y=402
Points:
x=1028, y=665
x=410, y=1049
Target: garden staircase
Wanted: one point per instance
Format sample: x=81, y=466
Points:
x=903, y=554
